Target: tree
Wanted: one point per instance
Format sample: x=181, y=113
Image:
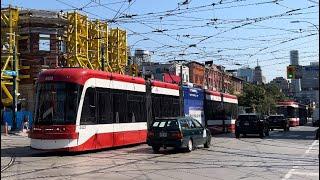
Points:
x=262, y=98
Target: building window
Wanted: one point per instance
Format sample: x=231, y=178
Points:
x=44, y=42
x=62, y=46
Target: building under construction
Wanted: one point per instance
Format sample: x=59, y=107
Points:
x=35, y=40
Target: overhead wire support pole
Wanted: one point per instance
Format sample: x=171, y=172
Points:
x=181, y=91
x=102, y=58
x=15, y=90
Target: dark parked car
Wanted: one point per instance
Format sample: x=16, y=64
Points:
x=180, y=132
x=278, y=122
x=251, y=124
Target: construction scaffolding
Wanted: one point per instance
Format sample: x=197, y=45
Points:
x=9, y=59
x=91, y=45
x=118, y=50
x=104, y=35
x=77, y=41
x=98, y=44
x=49, y=39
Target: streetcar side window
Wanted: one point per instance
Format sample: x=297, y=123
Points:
x=165, y=106
x=88, y=115
x=214, y=110
x=119, y=106
x=136, y=107
x=105, y=113
x=156, y=106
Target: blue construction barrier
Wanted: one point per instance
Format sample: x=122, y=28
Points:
x=21, y=115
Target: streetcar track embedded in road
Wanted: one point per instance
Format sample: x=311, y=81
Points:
x=11, y=162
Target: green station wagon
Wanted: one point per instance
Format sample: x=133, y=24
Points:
x=180, y=132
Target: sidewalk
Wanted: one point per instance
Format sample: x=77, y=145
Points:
x=16, y=133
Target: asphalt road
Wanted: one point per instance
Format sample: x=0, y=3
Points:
x=282, y=155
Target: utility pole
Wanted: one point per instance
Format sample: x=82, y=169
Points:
x=14, y=103
x=102, y=58
x=206, y=74
x=222, y=104
x=181, y=92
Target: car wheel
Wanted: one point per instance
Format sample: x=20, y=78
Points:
x=208, y=143
x=190, y=145
x=155, y=149
x=237, y=135
x=288, y=128
x=271, y=129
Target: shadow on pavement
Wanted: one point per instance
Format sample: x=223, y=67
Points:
x=167, y=151
x=27, y=151
x=295, y=135
x=278, y=134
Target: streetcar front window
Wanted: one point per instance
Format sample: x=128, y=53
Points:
x=288, y=111
x=292, y=112
x=57, y=103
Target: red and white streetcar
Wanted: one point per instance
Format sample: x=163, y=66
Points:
x=80, y=109
x=290, y=109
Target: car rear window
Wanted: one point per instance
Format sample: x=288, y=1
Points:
x=248, y=118
x=275, y=117
x=168, y=124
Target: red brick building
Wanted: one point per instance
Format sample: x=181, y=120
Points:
x=40, y=46
x=197, y=73
x=214, y=78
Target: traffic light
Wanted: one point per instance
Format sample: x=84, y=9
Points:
x=291, y=72
x=134, y=70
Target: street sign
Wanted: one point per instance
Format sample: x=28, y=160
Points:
x=10, y=73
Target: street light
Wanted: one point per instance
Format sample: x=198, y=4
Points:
x=306, y=22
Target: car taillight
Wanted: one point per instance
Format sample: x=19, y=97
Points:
x=150, y=134
x=176, y=135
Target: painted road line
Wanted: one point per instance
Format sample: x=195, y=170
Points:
x=295, y=168
x=315, y=143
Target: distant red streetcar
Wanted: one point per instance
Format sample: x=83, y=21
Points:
x=290, y=109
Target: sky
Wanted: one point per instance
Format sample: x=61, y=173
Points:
x=232, y=33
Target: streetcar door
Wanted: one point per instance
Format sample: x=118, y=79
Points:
x=88, y=120
x=105, y=118
x=119, y=116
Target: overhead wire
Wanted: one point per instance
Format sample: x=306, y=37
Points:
x=178, y=15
